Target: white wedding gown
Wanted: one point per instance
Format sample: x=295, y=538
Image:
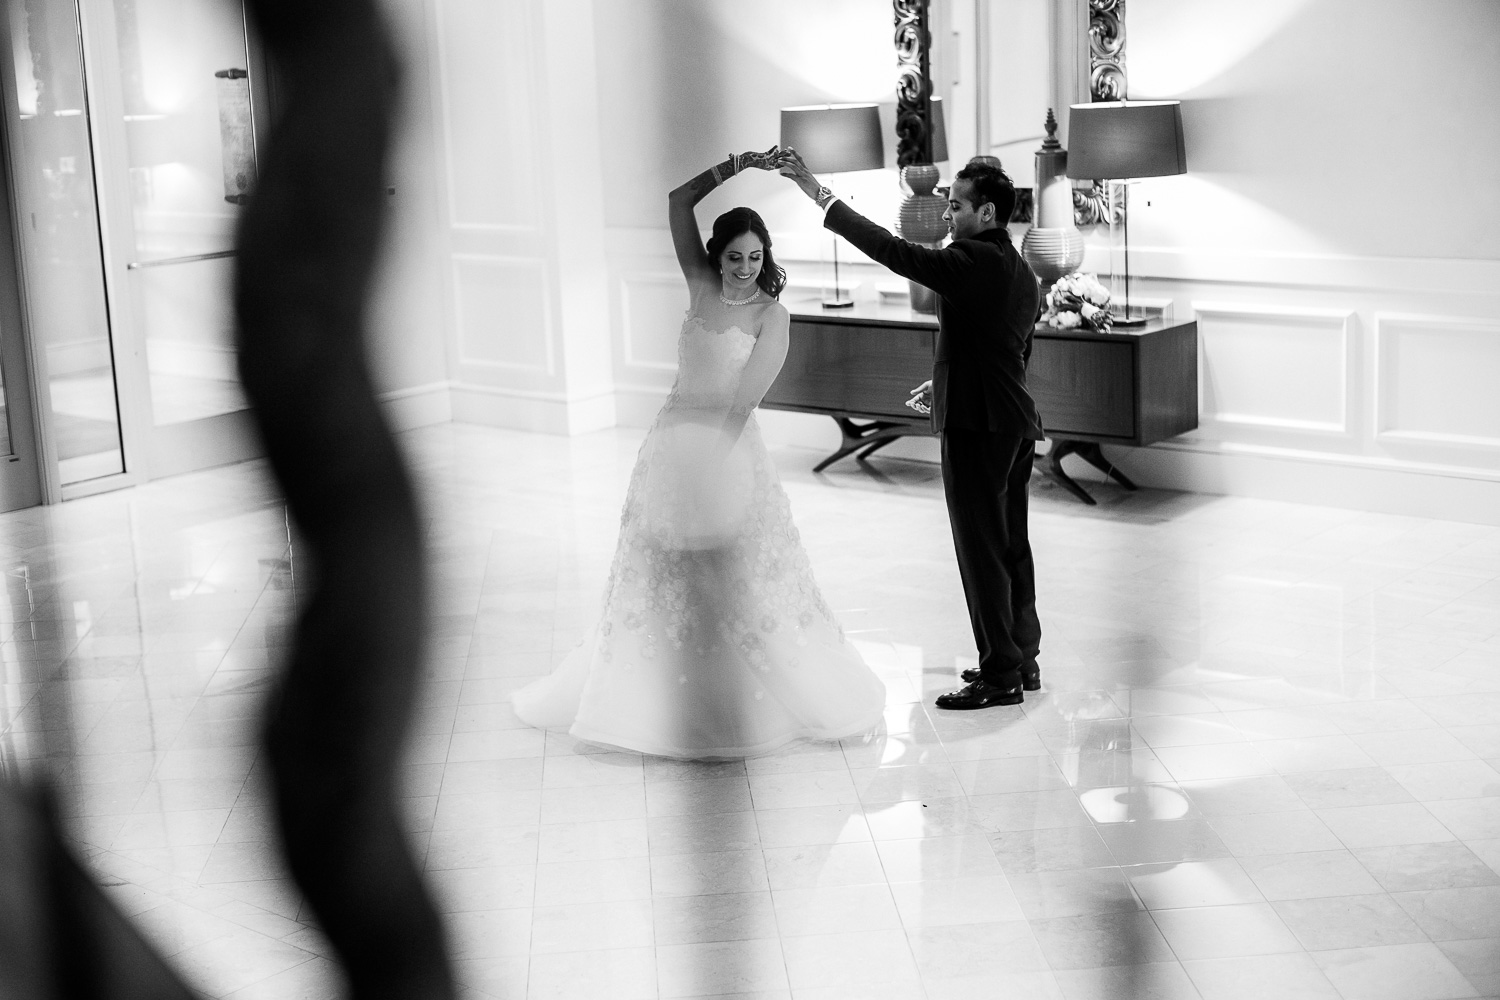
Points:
x=714, y=641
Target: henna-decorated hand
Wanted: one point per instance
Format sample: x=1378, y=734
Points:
x=769, y=160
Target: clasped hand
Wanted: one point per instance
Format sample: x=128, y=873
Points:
x=769, y=160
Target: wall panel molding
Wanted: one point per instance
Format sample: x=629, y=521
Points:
x=1441, y=390
x=1287, y=391
x=487, y=107
x=504, y=320
x=640, y=325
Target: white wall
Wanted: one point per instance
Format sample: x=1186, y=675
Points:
x=407, y=315
x=1336, y=238
x=680, y=86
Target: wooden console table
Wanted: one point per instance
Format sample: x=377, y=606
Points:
x=859, y=365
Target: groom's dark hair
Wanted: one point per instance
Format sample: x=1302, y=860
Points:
x=991, y=184
x=737, y=222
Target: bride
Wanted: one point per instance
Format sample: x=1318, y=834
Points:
x=714, y=641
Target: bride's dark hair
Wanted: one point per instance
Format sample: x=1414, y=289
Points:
x=737, y=222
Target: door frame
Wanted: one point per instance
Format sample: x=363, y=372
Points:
x=150, y=452
x=27, y=487
x=43, y=442
x=145, y=453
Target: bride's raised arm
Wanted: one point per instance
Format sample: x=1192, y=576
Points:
x=691, y=256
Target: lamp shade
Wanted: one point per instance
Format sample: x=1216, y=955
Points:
x=939, y=132
x=834, y=138
x=1119, y=140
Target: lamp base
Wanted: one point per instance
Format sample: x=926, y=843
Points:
x=838, y=303
x=1131, y=321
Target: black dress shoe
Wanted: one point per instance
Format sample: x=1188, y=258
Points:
x=979, y=694
x=1031, y=680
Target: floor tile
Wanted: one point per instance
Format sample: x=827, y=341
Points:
x=1394, y=972
x=1454, y=914
x=1096, y=940
x=1406, y=867
x=1232, y=931
x=720, y=967
x=733, y=916
x=1261, y=977
x=1193, y=883
x=1382, y=826
x=607, y=926
x=977, y=899
x=1288, y=832
x=849, y=959
x=1330, y=922
x=1073, y=893
x=1309, y=875
x=835, y=909
x=1478, y=960
x=1187, y=809
x=1155, y=981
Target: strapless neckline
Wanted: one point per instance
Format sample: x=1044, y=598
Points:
x=695, y=324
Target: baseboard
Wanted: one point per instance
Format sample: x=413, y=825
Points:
x=1354, y=484
x=1267, y=474
x=418, y=406
x=637, y=405
x=543, y=413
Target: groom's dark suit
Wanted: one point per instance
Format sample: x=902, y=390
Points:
x=987, y=308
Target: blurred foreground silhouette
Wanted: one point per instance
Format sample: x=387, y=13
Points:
x=336, y=725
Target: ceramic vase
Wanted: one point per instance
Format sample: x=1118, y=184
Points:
x=920, y=220
x=1053, y=246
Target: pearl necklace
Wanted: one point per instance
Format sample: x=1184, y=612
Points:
x=739, y=302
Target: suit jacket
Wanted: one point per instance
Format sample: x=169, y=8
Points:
x=987, y=308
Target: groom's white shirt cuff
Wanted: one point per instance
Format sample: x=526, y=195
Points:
x=831, y=202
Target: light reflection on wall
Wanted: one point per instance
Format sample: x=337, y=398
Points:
x=1194, y=210
x=841, y=52
x=1159, y=67
x=1332, y=114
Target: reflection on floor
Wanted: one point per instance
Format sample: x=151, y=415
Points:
x=176, y=399
x=1263, y=763
x=85, y=424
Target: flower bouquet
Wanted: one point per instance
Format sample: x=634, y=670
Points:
x=1078, y=300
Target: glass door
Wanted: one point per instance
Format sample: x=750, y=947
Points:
x=183, y=106
x=130, y=131
x=51, y=161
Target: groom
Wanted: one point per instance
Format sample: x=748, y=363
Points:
x=987, y=306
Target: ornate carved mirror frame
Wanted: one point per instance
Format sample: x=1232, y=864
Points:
x=913, y=40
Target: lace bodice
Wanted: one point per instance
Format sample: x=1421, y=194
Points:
x=709, y=364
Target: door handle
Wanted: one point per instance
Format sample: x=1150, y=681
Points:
x=189, y=259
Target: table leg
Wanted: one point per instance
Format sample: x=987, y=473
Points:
x=1091, y=453
x=871, y=437
x=1061, y=448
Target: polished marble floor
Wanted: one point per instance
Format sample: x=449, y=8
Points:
x=1263, y=763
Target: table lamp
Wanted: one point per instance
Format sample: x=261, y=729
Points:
x=833, y=139
x=1119, y=141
